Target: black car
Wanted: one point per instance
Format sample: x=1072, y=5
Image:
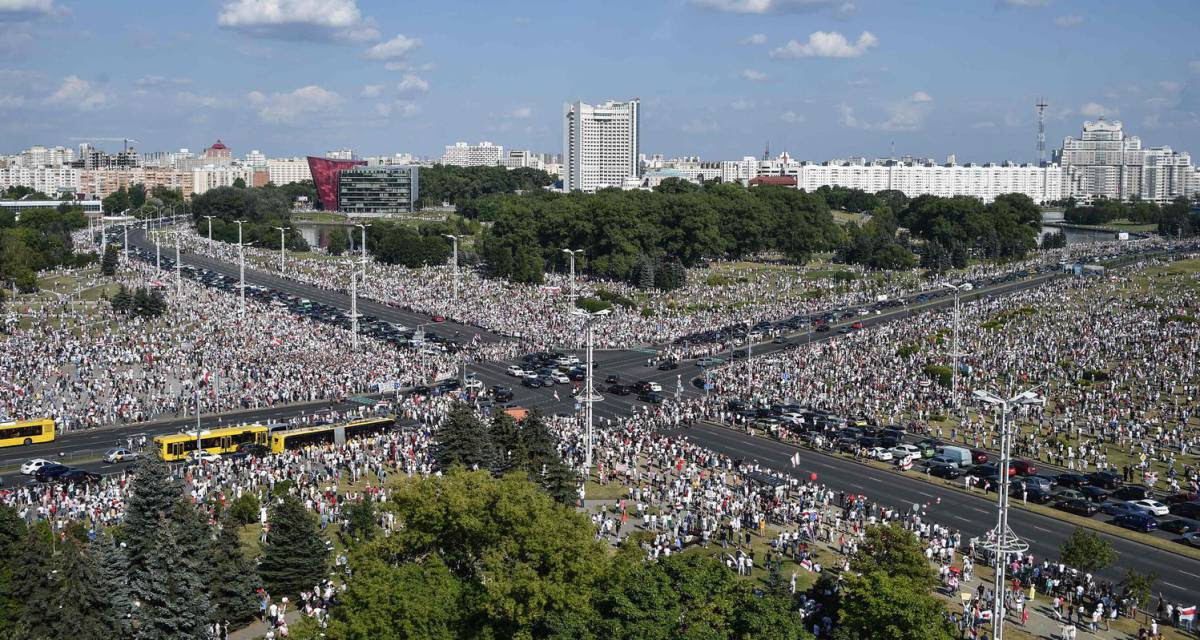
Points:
x=669, y=365
x=641, y=386
x=253, y=449
x=619, y=389
x=501, y=393
x=1033, y=494
x=652, y=397
x=1186, y=509
x=78, y=476
x=1105, y=479
x=1132, y=492
x=1071, y=480
x=1180, y=526
x=612, y=379
x=947, y=471
x=1078, y=506
x=531, y=382
x=1094, y=494
x=50, y=472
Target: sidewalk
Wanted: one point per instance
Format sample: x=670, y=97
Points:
x=259, y=629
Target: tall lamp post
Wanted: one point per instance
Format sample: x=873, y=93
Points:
x=209, y=232
x=454, y=239
x=363, y=247
x=282, y=245
x=178, y=270
x=1004, y=543
x=354, y=304
x=749, y=353
x=955, y=353
x=571, y=253
x=241, y=270
x=590, y=396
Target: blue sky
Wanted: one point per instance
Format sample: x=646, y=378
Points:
x=718, y=78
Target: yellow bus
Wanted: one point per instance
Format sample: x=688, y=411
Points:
x=177, y=446
x=329, y=433
x=26, y=432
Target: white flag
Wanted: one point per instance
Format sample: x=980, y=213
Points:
x=795, y=459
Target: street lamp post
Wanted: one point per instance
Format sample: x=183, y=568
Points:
x=590, y=395
x=125, y=246
x=749, y=353
x=282, y=246
x=957, y=289
x=241, y=270
x=1004, y=543
x=178, y=271
x=571, y=253
x=454, y=240
x=354, y=305
x=209, y=232
x=363, y=248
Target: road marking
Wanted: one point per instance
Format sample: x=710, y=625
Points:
x=1042, y=529
x=1172, y=584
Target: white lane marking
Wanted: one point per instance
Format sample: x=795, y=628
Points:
x=1042, y=529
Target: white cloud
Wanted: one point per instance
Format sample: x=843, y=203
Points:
x=1070, y=20
x=412, y=83
x=1096, y=110
x=822, y=44
x=78, y=93
x=396, y=66
x=153, y=82
x=407, y=108
x=753, y=75
x=393, y=49
x=757, y=38
x=26, y=9
x=1194, y=65
x=791, y=117
x=698, y=126
x=190, y=99
x=769, y=6
x=372, y=91
x=521, y=113
x=741, y=104
x=295, y=106
x=904, y=115
x=298, y=19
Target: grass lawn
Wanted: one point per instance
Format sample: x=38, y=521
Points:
x=842, y=217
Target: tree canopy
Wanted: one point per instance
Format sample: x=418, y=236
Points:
x=456, y=185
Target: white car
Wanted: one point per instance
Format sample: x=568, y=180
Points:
x=31, y=466
x=1152, y=507
x=119, y=454
x=880, y=454
x=560, y=377
x=202, y=456
x=793, y=418
x=900, y=451
x=473, y=384
x=514, y=370
x=655, y=387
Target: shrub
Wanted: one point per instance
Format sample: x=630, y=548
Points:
x=941, y=373
x=592, y=305
x=245, y=509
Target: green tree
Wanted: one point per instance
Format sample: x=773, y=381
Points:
x=113, y=568
x=122, y=302
x=239, y=183
x=245, y=509
x=173, y=602
x=360, y=517
x=1138, y=587
x=12, y=535
x=464, y=440
x=1176, y=218
x=234, y=578
x=337, y=242
x=1087, y=551
x=152, y=498
x=295, y=556
x=137, y=196
x=116, y=202
x=35, y=593
x=108, y=266
x=83, y=607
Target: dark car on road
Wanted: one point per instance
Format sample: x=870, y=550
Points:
x=78, y=476
x=1180, y=526
x=652, y=397
x=1024, y=468
x=1071, y=480
x=1094, y=494
x=1078, y=506
x=612, y=379
x=50, y=472
x=1131, y=492
x=1186, y=509
x=669, y=365
x=641, y=386
x=979, y=456
x=531, y=382
x=1105, y=480
x=1137, y=522
x=618, y=389
x=947, y=471
x=501, y=393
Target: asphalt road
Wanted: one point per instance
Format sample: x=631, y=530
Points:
x=1179, y=577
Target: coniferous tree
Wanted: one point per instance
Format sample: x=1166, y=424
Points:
x=152, y=499
x=509, y=447
x=108, y=265
x=113, y=565
x=295, y=556
x=81, y=605
x=172, y=602
x=234, y=579
x=194, y=539
x=12, y=533
x=141, y=302
x=122, y=302
x=561, y=482
x=157, y=303
x=464, y=440
x=35, y=591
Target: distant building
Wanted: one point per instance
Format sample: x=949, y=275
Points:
x=779, y=181
x=517, y=159
x=218, y=151
x=51, y=181
x=380, y=189
x=281, y=171
x=601, y=144
x=256, y=158
x=211, y=177
x=324, y=173
x=88, y=206
x=340, y=154
x=484, y=154
x=1105, y=162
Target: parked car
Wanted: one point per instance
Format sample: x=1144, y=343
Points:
x=900, y=451
x=949, y=461
x=78, y=476
x=1077, y=506
x=119, y=454
x=1070, y=494
x=532, y=382
x=50, y=471
x=1180, y=526
x=1137, y=522
x=1192, y=538
x=501, y=393
x=1071, y=480
x=30, y=467
x=618, y=389
x=880, y=454
x=1186, y=509
x=1120, y=508
x=1024, y=468
x=1132, y=492
x=1033, y=494
x=947, y=471
x=979, y=456
x=668, y=365
x=1094, y=494
x=1105, y=479
x=202, y=456
x=1152, y=507
x=515, y=371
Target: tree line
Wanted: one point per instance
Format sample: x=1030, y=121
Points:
x=263, y=208
x=40, y=239
x=456, y=185
x=1176, y=218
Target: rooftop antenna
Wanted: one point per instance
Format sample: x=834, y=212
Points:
x=767, y=151
x=1041, y=138
x=893, y=156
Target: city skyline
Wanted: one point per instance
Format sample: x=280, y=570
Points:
x=717, y=78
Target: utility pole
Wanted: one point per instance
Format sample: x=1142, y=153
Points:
x=571, y=253
x=210, y=233
x=363, y=248
x=454, y=240
x=954, y=355
x=178, y=271
x=354, y=305
x=1041, y=137
x=1004, y=543
x=125, y=246
x=590, y=395
x=749, y=371
x=282, y=246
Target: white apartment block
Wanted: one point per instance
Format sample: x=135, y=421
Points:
x=340, y=154
x=281, y=171
x=484, y=154
x=517, y=159
x=211, y=177
x=39, y=156
x=601, y=144
x=256, y=158
x=1106, y=162
x=394, y=159
x=48, y=180
x=100, y=183
x=1166, y=175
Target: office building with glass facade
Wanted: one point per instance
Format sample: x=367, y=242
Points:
x=380, y=189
